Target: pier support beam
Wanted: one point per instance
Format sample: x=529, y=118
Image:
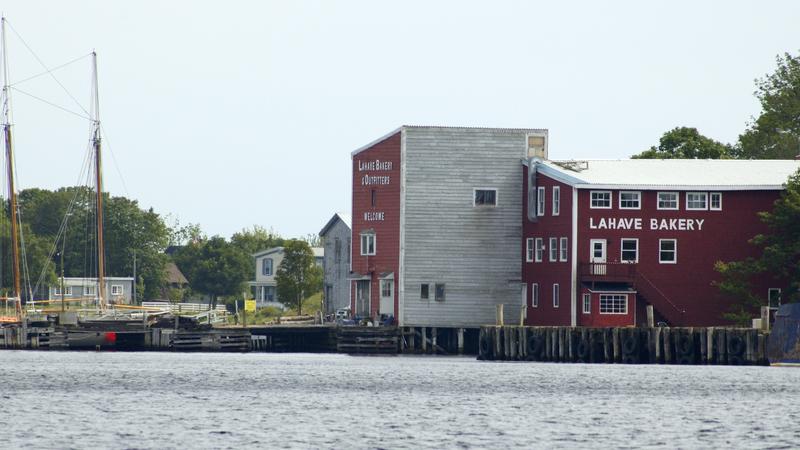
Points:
x=460, y=333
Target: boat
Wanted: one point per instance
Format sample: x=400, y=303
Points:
x=783, y=345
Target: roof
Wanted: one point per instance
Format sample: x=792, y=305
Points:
x=718, y=174
x=344, y=217
x=319, y=252
x=404, y=127
x=174, y=274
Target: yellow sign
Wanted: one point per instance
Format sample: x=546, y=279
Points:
x=250, y=306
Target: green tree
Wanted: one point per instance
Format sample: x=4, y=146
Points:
x=297, y=277
x=253, y=240
x=775, y=134
x=214, y=267
x=780, y=257
x=685, y=143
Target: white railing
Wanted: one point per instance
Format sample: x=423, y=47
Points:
x=182, y=307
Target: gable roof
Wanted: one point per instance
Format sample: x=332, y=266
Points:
x=174, y=274
x=267, y=251
x=717, y=174
x=344, y=217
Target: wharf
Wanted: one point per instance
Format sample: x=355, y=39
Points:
x=659, y=345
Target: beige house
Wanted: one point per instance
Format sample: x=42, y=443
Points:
x=264, y=285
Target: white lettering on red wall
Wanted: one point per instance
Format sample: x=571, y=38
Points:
x=375, y=165
x=373, y=216
x=622, y=223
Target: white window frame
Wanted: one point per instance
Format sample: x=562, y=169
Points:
x=622, y=250
x=675, y=251
x=563, y=250
x=553, y=249
x=115, y=288
x=89, y=290
x=539, y=250
x=535, y=295
x=591, y=200
x=484, y=205
x=587, y=303
x=556, y=295
x=671, y=193
x=689, y=207
x=638, y=200
x=529, y=250
x=384, y=284
x=365, y=241
x=711, y=201
x=427, y=288
x=264, y=270
x=556, y=207
x=614, y=309
x=540, y=206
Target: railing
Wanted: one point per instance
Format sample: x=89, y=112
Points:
x=613, y=271
x=663, y=304
x=182, y=307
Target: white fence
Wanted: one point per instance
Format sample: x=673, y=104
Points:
x=182, y=307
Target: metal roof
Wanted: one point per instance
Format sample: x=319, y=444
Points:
x=718, y=174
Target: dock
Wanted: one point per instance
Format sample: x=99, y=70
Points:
x=658, y=345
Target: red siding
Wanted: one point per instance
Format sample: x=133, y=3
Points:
x=547, y=273
x=595, y=319
x=689, y=284
x=383, y=218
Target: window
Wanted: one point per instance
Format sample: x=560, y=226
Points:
x=556, y=296
x=439, y=295
x=529, y=249
x=601, y=199
x=613, y=304
x=535, y=295
x=347, y=251
x=89, y=290
x=539, y=250
x=716, y=201
x=630, y=250
x=269, y=293
x=696, y=200
x=774, y=297
x=667, y=200
x=423, y=291
x=553, y=249
x=667, y=251
x=57, y=290
x=116, y=289
x=556, y=200
x=387, y=286
x=587, y=303
x=67, y=289
x=563, y=256
x=266, y=266
x=540, y=201
x=485, y=197
x=367, y=244
x=373, y=197
x=630, y=200
x=337, y=250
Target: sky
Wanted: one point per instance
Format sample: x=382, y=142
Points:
x=241, y=113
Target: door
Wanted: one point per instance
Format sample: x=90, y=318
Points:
x=597, y=257
x=362, y=298
x=387, y=297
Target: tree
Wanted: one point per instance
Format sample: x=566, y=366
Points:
x=780, y=257
x=298, y=277
x=250, y=241
x=685, y=143
x=214, y=267
x=775, y=134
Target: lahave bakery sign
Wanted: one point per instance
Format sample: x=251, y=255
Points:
x=638, y=223
x=370, y=178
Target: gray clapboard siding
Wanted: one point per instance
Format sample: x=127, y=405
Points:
x=336, y=265
x=476, y=252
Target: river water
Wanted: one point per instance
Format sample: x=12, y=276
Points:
x=258, y=400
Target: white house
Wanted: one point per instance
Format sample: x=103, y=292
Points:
x=264, y=285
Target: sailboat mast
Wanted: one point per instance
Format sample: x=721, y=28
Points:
x=12, y=193
x=99, y=182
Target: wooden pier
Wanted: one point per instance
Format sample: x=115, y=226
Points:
x=661, y=345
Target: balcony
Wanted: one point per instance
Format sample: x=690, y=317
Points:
x=609, y=272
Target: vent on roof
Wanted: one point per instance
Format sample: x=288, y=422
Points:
x=575, y=166
x=537, y=146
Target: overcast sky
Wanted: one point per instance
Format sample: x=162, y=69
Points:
x=233, y=114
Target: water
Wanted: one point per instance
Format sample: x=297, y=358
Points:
x=163, y=400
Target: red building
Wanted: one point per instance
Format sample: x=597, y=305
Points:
x=602, y=240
